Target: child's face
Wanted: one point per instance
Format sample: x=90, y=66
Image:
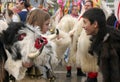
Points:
x=45, y=27
x=91, y=29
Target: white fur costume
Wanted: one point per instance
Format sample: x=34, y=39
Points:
x=15, y=68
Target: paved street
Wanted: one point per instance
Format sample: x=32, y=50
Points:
x=60, y=74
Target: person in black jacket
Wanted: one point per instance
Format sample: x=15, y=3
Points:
x=105, y=43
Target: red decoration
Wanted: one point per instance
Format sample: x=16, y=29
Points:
x=92, y=74
x=40, y=42
x=21, y=36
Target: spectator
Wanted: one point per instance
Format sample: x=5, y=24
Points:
x=74, y=11
x=22, y=5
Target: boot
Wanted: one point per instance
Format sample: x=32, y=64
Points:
x=11, y=78
x=68, y=71
x=92, y=77
x=80, y=73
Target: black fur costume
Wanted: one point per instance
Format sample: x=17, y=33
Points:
x=4, y=76
x=7, y=38
x=106, y=44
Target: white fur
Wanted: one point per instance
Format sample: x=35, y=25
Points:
x=66, y=24
x=15, y=68
x=27, y=47
x=62, y=43
x=86, y=61
x=106, y=9
x=63, y=40
x=116, y=10
x=42, y=59
x=3, y=25
x=47, y=58
x=73, y=47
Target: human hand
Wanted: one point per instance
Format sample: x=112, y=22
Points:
x=27, y=64
x=71, y=33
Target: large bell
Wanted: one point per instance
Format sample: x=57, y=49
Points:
x=34, y=72
x=38, y=72
x=31, y=72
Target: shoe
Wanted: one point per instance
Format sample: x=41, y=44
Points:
x=68, y=74
x=91, y=80
x=80, y=73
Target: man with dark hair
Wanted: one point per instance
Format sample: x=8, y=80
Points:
x=105, y=43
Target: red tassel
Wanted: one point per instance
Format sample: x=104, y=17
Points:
x=68, y=68
x=92, y=74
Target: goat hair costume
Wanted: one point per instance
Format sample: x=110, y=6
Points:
x=19, y=43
